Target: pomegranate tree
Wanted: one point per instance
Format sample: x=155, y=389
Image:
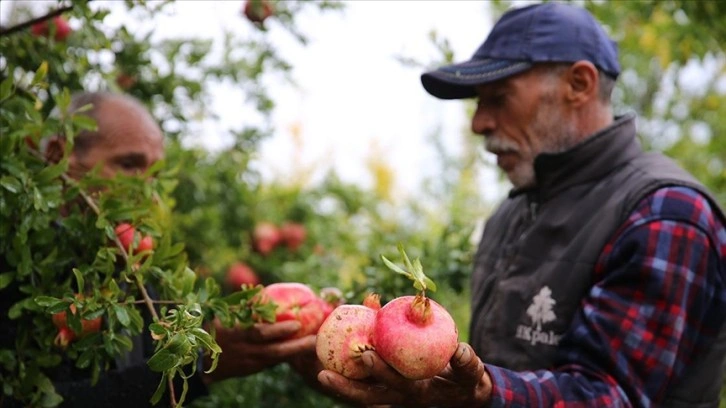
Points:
x=414, y=334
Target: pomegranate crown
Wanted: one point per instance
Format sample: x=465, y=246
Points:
x=413, y=271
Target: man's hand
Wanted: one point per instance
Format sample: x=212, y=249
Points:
x=249, y=351
x=463, y=383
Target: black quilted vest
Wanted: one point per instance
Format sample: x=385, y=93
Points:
x=537, y=254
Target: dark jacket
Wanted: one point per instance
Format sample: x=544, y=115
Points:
x=551, y=237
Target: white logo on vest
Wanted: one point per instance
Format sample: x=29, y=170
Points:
x=541, y=312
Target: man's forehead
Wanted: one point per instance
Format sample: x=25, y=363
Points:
x=492, y=87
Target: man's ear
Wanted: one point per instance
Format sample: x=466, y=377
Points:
x=583, y=83
x=55, y=148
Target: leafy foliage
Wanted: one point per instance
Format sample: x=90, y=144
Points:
x=199, y=207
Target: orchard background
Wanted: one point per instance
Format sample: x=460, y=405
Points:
x=202, y=207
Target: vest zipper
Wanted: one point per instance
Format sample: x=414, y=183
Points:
x=533, y=209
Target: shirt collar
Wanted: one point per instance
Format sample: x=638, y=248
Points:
x=590, y=159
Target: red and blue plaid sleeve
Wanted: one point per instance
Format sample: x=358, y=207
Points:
x=658, y=298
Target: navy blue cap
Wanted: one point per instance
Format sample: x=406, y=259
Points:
x=548, y=32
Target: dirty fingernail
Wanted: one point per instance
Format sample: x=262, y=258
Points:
x=367, y=360
x=464, y=355
x=324, y=378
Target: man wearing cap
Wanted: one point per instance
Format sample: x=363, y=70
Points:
x=601, y=278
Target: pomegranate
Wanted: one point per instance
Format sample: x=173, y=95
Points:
x=62, y=29
x=257, y=11
x=296, y=301
x=414, y=334
x=64, y=337
x=343, y=337
x=125, y=233
x=293, y=235
x=65, y=334
x=240, y=274
x=265, y=237
x=125, y=81
x=330, y=298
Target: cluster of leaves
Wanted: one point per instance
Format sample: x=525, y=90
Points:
x=64, y=244
x=63, y=229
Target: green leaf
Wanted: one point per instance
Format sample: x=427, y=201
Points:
x=11, y=184
x=40, y=73
x=206, y=339
x=85, y=122
x=430, y=285
x=50, y=173
x=406, y=261
x=80, y=282
x=415, y=271
x=84, y=360
x=60, y=306
x=6, y=88
x=47, y=301
x=122, y=315
x=159, y=390
x=179, y=344
x=163, y=360
x=158, y=331
x=6, y=278
x=395, y=267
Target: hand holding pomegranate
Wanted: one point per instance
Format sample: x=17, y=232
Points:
x=463, y=383
x=407, y=352
x=250, y=350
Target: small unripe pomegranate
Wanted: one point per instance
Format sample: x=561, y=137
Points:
x=64, y=337
x=125, y=233
x=65, y=334
x=343, y=337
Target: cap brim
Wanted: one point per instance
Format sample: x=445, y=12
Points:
x=457, y=81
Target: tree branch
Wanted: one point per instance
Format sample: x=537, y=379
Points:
x=24, y=25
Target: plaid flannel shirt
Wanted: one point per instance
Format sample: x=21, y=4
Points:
x=659, y=296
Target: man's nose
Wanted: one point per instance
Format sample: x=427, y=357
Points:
x=483, y=122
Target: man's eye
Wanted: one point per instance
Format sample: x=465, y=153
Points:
x=491, y=101
x=131, y=163
x=128, y=164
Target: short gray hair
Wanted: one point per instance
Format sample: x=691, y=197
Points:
x=85, y=139
x=606, y=82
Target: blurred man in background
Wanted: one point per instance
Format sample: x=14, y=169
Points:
x=129, y=141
